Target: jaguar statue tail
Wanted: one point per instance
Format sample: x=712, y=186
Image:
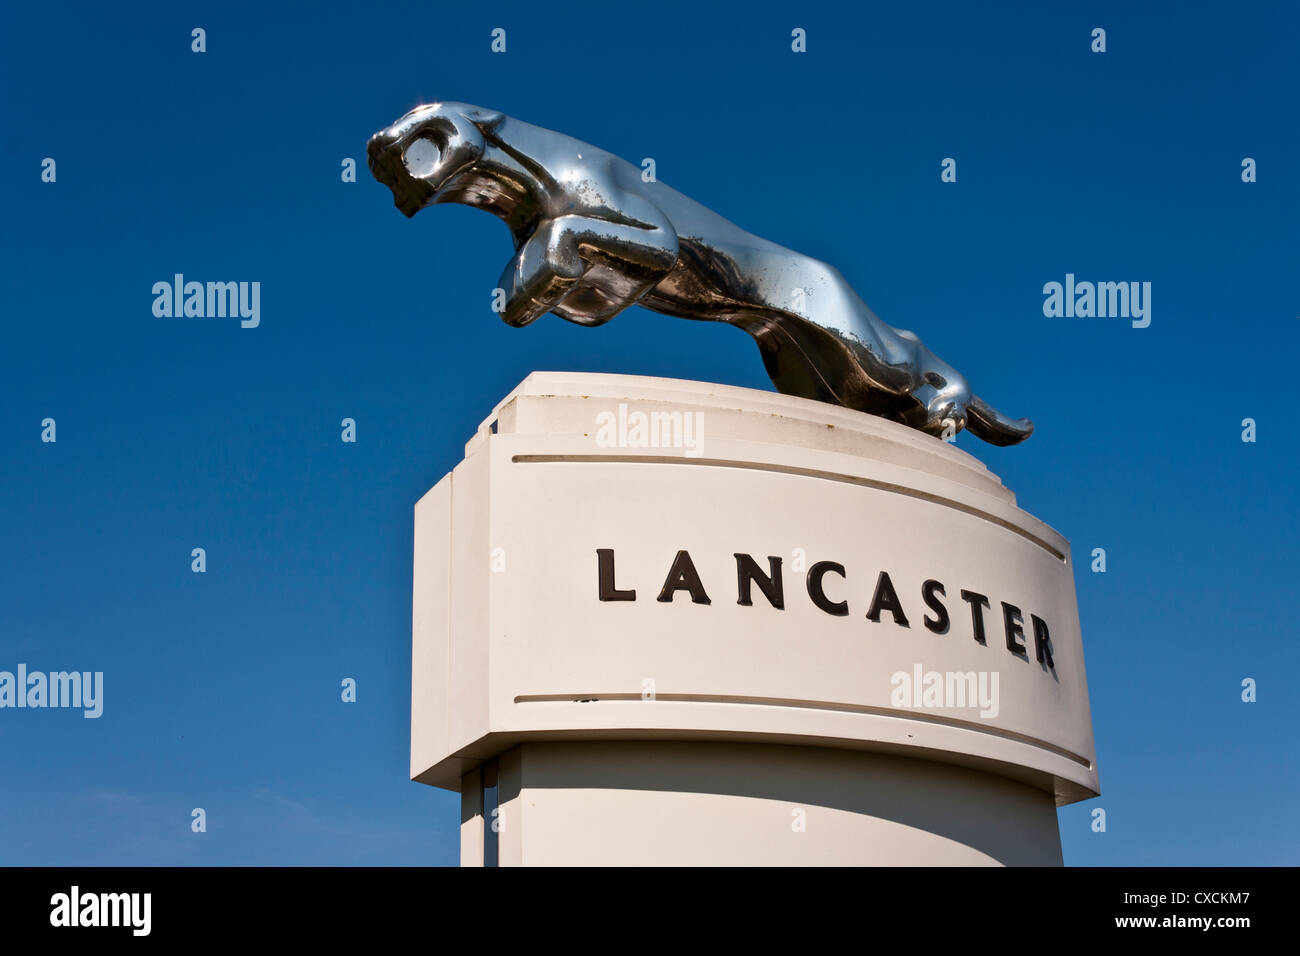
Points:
x=995, y=428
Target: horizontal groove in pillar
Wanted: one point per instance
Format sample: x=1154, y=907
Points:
x=792, y=470
x=814, y=705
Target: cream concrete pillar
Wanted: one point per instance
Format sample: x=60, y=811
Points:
x=688, y=623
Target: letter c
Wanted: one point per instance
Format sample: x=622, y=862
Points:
x=818, y=595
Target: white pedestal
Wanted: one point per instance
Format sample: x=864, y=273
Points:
x=630, y=722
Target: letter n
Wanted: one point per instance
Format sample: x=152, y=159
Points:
x=749, y=573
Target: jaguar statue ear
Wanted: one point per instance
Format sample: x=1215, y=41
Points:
x=484, y=119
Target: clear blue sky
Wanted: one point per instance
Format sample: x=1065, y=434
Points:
x=222, y=689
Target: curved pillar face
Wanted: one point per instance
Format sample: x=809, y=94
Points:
x=632, y=559
x=718, y=804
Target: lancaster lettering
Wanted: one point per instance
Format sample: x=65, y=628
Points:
x=827, y=585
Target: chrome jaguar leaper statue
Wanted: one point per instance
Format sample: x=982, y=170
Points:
x=593, y=237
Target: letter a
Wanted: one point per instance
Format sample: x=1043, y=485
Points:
x=682, y=576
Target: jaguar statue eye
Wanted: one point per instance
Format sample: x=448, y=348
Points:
x=421, y=157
